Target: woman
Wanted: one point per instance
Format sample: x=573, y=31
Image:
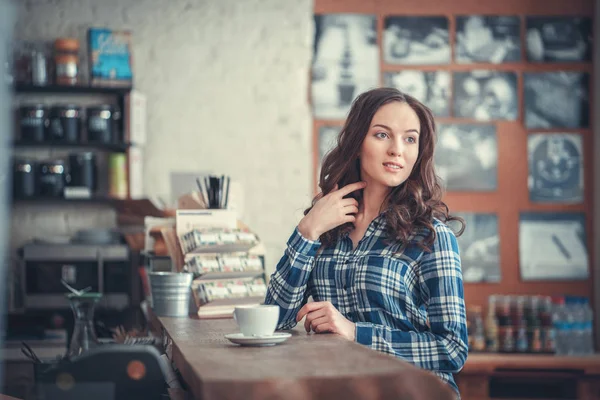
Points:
x=373, y=251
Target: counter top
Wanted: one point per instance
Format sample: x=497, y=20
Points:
x=306, y=366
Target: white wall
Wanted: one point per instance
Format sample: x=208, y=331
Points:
x=226, y=82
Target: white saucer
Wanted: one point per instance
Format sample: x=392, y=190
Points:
x=277, y=337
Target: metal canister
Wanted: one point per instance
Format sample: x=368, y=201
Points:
x=33, y=122
x=65, y=123
x=51, y=178
x=83, y=171
x=24, y=179
x=100, y=124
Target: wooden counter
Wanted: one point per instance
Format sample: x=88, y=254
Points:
x=306, y=366
x=525, y=376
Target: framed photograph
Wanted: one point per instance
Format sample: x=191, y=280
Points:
x=327, y=139
x=559, y=39
x=555, y=168
x=432, y=88
x=345, y=62
x=479, y=247
x=466, y=157
x=486, y=95
x=488, y=39
x=556, y=99
x=416, y=40
x=552, y=246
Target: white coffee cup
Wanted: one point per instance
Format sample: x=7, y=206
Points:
x=257, y=320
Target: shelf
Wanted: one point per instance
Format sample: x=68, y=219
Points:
x=61, y=200
x=65, y=89
x=117, y=147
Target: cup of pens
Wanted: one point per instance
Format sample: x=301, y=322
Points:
x=214, y=191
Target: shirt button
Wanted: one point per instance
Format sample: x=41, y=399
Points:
x=347, y=261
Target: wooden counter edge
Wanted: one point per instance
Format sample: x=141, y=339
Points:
x=486, y=363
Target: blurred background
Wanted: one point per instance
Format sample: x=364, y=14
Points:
x=116, y=114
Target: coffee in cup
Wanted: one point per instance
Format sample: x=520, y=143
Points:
x=257, y=320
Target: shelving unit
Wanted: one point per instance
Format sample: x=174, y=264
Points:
x=115, y=148
x=75, y=89
x=121, y=95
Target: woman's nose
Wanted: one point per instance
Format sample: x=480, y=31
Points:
x=396, y=149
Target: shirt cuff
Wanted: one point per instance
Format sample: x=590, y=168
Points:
x=364, y=333
x=302, y=245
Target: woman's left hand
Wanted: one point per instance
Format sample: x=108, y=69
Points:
x=322, y=316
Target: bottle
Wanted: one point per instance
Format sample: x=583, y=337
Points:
x=476, y=330
x=575, y=307
x=588, y=336
x=534, y=324
x=548, y=332
x=561, y=324
x=582, y=332
x=491, y=326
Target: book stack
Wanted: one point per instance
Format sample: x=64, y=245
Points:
x=226, y=259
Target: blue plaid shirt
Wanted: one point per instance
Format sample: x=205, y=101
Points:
x=408, y=304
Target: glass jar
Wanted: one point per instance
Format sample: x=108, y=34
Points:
x=66, y=60
x=84, y=335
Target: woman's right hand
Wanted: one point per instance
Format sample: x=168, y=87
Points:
x=330, y=211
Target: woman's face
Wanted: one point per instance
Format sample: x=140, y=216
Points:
x=390, y=149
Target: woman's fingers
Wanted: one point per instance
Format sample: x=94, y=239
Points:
x=349, y=218
x=349, y=202
x=350, y=210
x=351, y=188
x=322, y=328
x=316, y=322
x=311, y=316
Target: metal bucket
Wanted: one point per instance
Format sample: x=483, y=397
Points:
x=170, y=293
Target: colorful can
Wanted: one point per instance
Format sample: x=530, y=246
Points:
x=117, y=167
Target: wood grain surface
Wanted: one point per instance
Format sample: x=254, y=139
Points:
x=306, y=366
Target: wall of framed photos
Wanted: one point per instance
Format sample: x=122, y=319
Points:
x=510, y=83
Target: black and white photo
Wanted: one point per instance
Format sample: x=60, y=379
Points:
x=345, y=62
x=555, y=168
x=479, y=247
x=556, y=99
x=488, y=39
x=429, y=87
x=485, y=95
x=326, y=141
x=559, y=39
x=552, y=246
x=416, y=40
x=466, y=157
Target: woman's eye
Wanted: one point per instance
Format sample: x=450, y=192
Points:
x=381, y=135
x=411, y=139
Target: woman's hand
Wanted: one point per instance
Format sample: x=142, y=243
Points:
x=322, y=316
x=330, y=211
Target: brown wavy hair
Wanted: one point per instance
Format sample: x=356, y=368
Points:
x=412, y=205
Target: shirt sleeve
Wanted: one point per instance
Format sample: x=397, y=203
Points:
x=287, y=286
x=444, y=346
